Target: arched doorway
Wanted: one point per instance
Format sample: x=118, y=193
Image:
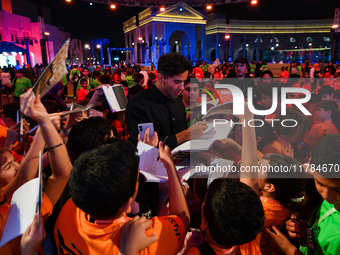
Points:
x=179, y=42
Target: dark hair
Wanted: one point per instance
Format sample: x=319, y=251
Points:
x=192, y=79
x=266, y=133
x=20, y=71
x=330, y=105
x=241, y=60
x=295, y=114
x=267, y=72
x=85, y=68
x=327, y=153
x=172, y=64
x=51, y=106
x=138, y=77
x=315, y=98
x=10, y=110
x=233, y=211
x=83, y=80
x=104, y=79
x=288, y=185
x=267, y=89
x=133, y=91
x=103, y=179
x=88, y=134
x=95, y=74
x=326, y=90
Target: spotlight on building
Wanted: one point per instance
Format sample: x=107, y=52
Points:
x=140, y=38
x=68, y=1
x=98, y=46
x=113, y=6
x=335, y=26
x=181, y=9
x=277, y=45
x=227, y=37
x=272, y=48
x=91, y=3
x=254, y=2
x=162, y=9
x=87, y=46
x=176, y=42
x=247, y=45
x=209, y=7
x=47, y=33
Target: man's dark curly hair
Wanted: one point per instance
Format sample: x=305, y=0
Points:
x=172, y=64
x=233, y=211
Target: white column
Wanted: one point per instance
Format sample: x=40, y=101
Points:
x=218, y=46
x=126, y=46
x=244, y=46
x=147, y=43
x=258, y=48
x=135, y=40
x=193, y=44
x=203, y=43
x=154, y=44
x=165, y=47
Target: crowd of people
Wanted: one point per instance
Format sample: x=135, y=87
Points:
x=95, y=200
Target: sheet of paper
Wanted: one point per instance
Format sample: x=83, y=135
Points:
x=53, y=73
x=148, y=160
x=21, y=211
x=210, y=135
x=117, y=101
x=221, y=166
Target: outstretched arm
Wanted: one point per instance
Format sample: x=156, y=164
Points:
x=249, y=151
x=57, y=153
x=177, y=202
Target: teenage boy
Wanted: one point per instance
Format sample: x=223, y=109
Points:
x=103, y=184
x=326, y=217
x=161, y=105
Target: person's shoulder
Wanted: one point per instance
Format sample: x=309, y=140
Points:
x=193, y=251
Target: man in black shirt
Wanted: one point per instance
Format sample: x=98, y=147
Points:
x=161, y=106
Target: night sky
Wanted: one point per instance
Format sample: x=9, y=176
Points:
x=99, y=21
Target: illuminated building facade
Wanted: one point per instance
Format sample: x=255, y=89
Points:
x=16, y=29
x=180, y=28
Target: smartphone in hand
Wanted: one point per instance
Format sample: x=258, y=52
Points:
x=142, y=129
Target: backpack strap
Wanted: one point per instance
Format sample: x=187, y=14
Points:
x=206, y=249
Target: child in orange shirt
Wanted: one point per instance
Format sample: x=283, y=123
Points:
x=282, y=190
x=12, y=176
x=83, y=90
x=327, y=112
x=103, y=185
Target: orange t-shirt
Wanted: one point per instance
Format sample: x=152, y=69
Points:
x=13, y=247
x=251, y=248
x=82, y=94
x=76, y=235
x=319, y=131
x=274, y=213
x=3, y=135
x=277, y=146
